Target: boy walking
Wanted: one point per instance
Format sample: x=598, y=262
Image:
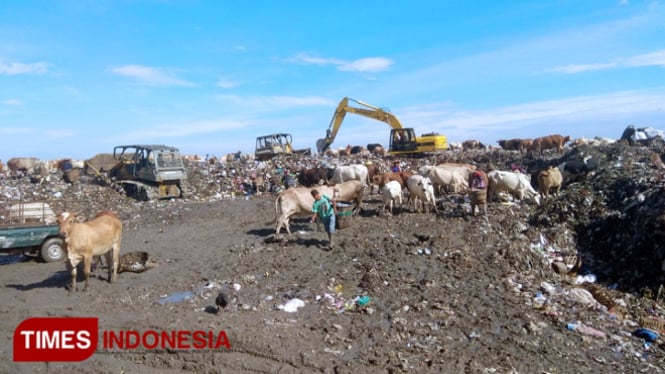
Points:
x=324, y=208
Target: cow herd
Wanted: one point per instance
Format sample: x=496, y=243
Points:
x=420, y=189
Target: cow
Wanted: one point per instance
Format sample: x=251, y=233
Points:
x=383, y=178
x=421, y=189
x=350, y=172
x=478, y=185
x=298, y=201
x=372, y=170
x=517, y=184
x=378, y=151
x=85, y=240
x=391, y=192
x=453, y=178
x=312, y=177
x=472, y=144
x=359, y=150
x=27, y=166
x=549, y=179
x=555, y=141
x=521, y=145
x=372, y=146
x=577, y=170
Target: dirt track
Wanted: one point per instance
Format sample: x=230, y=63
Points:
x=470, y=305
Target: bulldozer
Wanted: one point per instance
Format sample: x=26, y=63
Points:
x=269, y=146
x=148, y=172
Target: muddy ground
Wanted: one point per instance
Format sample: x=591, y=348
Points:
x=448, y=292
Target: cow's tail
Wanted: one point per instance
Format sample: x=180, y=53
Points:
x=277, y=209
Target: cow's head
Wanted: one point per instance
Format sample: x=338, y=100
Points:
x=66, y=220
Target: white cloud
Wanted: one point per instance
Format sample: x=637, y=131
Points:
x=16, y=68
x=370, y=64
x=649, y=59
x=656, y=58
x=226, y=83
x=365, y=65
x=581, y=110
x=150, y=75
x=12, y=102
x=273, y=103
x=573, y=69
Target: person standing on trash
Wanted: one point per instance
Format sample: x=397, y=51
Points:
x=324, y=208
x=395, y=168
x=478, y=185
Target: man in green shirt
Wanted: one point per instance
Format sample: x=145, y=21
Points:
x=324, y=208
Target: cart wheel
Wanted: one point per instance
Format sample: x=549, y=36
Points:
x=53, y=250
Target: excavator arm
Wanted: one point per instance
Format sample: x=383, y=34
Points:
x=369, y=111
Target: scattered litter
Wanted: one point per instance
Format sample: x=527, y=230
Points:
x=176, y=297
x=292, y=305
x=646, y=334
x=586, y=330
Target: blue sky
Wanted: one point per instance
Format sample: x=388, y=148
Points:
x=82, y=76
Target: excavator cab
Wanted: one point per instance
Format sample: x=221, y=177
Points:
x=403, y=140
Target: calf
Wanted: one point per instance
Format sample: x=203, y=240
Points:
x=391, y=192
x=383, y=178
x=517, y=184
x=85, y=240
x=549, y=179
x=421, y=189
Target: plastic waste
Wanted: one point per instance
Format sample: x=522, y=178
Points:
x=589, y=278
x=363, y=300
x=646, y=334
x=586, y=330
x=176, y=297
x=292, y=305
x=539, y=300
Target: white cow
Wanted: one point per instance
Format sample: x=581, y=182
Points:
x=350, y=172
x=453, y=178
x=391, y=192
x=517, y=184
x=421, y=189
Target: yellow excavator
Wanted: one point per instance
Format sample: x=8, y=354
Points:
x=403, y=141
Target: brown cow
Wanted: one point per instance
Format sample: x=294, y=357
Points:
x=86, y=240
x=382, y=179
x=549, y=142
x=521, y=145
x=549, y=179
x=298, y=201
